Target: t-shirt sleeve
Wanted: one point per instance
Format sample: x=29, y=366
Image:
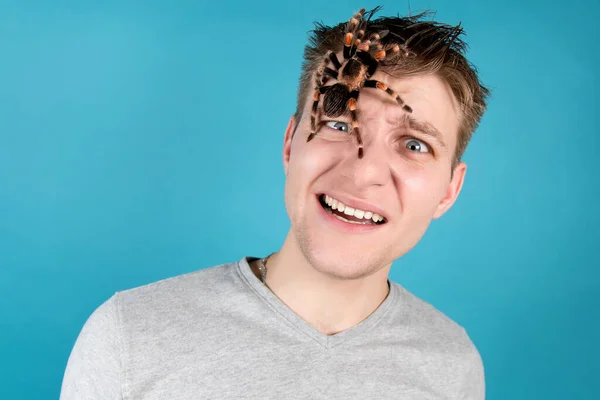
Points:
x=473, y=387
x=94, y=367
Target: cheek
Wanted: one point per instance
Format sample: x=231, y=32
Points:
x=422, y=189
x=309, y=160
x=305, y=166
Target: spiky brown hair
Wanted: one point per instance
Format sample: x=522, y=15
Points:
x=436, y=48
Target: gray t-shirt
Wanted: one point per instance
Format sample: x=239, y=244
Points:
x=219, y=333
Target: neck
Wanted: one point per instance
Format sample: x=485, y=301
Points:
x=329, y=304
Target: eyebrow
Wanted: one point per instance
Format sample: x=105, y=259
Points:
x=424, y=127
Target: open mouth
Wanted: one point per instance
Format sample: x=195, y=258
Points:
x=349, y=214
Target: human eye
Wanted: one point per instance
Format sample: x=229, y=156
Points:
x=417, y=146
x=338, y=126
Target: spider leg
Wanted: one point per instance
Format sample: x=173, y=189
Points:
x=350, y=34
x=367, y=60
x=373, y=42
x=371, y=83
x=375, y=37
x=322, y=75
x=336, y=63
x=328, y=71
x=314, y=115
x=319, y=74
x=364, y=54
x=359, y=34
x=351, y=105
x=349, y=39
x=383, y=54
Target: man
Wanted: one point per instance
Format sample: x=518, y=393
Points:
x=319, y=319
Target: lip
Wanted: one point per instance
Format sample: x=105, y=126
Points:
x=356, y=204
x=346, y=227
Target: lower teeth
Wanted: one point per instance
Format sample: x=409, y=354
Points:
x=365, y=222
x=350, y=222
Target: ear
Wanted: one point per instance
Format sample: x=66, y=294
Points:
x=287, y=143
x=452, y=191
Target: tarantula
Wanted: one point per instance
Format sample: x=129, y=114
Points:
x=352, y=75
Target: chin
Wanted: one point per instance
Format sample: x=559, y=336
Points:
x=340, y=262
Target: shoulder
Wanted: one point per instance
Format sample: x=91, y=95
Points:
x=439, y=344
x=94, y=365
x=177, y=297
x=161, y=297
x=432, y=327
x=189, y=284
x=123, y=328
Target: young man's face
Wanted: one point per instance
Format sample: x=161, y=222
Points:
x=405, y=176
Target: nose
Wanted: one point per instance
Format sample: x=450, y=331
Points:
x=373, y=169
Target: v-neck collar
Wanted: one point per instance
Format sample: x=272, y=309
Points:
x=328, y=341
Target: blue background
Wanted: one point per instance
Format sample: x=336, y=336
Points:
x=133, y=147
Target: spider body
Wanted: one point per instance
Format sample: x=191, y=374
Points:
x=353, y=73
x=361, y=60
x=351, y=78
x=336, y=100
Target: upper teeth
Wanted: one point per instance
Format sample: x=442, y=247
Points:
x=338, y=205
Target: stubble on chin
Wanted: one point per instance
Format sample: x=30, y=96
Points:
x=331, y=263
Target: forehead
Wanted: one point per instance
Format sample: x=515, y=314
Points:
x=429, y=96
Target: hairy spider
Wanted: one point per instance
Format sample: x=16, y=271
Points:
x=361, y=60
